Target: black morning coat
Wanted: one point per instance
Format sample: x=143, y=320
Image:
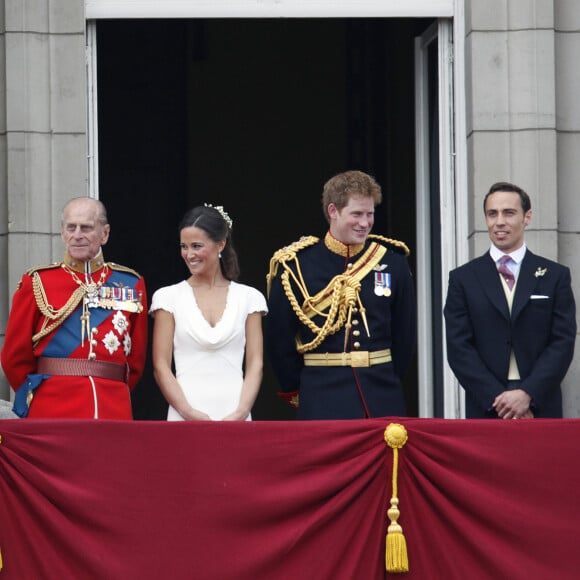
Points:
x=481, y=333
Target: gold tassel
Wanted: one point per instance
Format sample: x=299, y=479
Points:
x=396, y=545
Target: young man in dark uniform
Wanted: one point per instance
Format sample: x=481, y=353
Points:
x=341, y=330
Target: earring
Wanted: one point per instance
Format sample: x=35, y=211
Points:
x=219, y=255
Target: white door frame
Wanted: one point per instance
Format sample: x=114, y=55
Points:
x=441, y=32
x=92, y=110
x=269, y=8
x=423, y=210
x=453, y=140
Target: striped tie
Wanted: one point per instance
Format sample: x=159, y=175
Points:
x=507, y=274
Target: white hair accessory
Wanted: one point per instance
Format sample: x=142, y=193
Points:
x=220, y=209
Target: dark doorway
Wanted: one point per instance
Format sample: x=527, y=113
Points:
x=254, y=115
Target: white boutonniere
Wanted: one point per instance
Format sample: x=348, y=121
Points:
x=540, y=272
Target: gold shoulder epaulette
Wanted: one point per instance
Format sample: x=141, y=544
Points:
x=296, y=246
x=399, y=246
x=285, y=254
x=120, y=268
x=44, y=267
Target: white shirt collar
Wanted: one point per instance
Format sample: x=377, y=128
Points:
x=517, y=255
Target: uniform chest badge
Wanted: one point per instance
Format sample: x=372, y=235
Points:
x=111, y=342
x=120, y=323
x=382, y=283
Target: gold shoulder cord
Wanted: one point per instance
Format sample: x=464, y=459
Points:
x=120, y=268
x=397, y=243
x=46, y=267
x=285, y=255
x=342, y=292
x=53, y=318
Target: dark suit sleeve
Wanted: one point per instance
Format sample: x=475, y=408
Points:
x=462, y=352
x=281, y=328
x=550, y=361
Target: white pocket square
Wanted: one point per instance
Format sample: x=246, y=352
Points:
x=539, y=297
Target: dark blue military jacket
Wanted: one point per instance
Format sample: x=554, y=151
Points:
x=342, y=392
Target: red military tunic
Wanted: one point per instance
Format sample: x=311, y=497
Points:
x=112, y=302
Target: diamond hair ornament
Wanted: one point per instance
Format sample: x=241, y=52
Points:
x=220, y=209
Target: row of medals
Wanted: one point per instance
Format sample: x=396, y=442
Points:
x=382, y=284
x=126, y=299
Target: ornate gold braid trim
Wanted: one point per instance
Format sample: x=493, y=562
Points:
x=120, y=268
x=359, y=270
x=343, y=291
x=46, y=267
x=285, y=255
x=56, y=316
x=337, y=313
x=396, y=243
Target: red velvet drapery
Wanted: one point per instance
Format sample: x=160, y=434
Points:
x=287, y=500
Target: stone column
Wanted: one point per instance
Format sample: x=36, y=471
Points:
x=511, y=113
x=524, y=122
x=43, y=145
x=567, y=21
x=4, y=300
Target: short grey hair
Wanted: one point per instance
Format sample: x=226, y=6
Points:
x=101, y=209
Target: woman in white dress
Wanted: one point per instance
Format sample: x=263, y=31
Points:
x=210, y=325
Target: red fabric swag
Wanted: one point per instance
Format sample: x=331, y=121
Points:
x=286, y=500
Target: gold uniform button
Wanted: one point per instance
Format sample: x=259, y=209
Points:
x=354, y=322
x=356, y=332
x=356, y=345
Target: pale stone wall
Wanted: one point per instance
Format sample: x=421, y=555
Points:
x=523, y=118
x=567, y=53
x=4, y=291
x=43, y=151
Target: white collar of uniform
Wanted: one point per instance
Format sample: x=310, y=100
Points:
x=517, y=255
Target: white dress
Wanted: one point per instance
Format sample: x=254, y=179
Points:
x=208, y=359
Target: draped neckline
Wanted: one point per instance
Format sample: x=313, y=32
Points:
x=199, y=310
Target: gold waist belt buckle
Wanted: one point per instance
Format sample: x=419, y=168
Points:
x=361, y=358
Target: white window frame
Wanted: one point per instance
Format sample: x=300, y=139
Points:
x=92, y=111
x=95, y=9
x=453, y=203
x=453, y=167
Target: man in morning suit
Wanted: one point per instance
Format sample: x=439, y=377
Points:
x=341, y=329
x=510, y=321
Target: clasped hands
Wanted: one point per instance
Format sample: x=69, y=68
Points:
x=513, y=404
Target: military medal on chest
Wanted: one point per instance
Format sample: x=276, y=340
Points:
x=91, y=298
x=382, y=284
x=120, y=298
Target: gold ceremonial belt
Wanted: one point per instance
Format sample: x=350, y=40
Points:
x=361, y=358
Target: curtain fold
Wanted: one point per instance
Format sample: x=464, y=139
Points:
x=287, y=500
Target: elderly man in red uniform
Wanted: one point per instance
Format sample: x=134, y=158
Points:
x=76, y=338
